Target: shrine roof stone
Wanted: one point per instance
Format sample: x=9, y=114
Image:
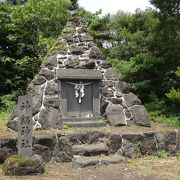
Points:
x=78, y=74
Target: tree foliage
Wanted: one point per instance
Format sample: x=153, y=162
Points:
x=74, y=5
x=169, y=6
x=27, y=30
x=143, y=48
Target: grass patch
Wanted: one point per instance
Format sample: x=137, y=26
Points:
x=162, y=113
x=129, y=161
x=65, y=126
x=171, y=121
x=162, y=154
x=4, y=116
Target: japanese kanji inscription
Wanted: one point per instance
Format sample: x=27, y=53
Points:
x=25, y=126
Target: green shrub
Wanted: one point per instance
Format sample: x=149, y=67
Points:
x=162, y=111
x=174, y=95
x=4, y=116
x=65, y=126
x=129, y=161
x=162, y=154
x=173, y=120
x=8, y=102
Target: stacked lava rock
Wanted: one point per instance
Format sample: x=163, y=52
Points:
x=76, y=50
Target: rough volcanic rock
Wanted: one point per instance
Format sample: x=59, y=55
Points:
x=111, y=160
x=51, y=101
x=44, y=144
x=82, y=161
x=51, y=88
x=166, y=141
x=80, y=137
x=60, y=58
x=119, y=94
x=77, y=51
x=39, y=80
x=107, y=83
x=9, y=142
x=104, y=105
x=50, y=118
x=96, y=53
x=148, y=144
x=91, y=149
x=116, y=100
x=62, y=50
x=114, y=142
x=72, y=62
x=115, y=115
x=51, y=62
x=70, y=24
x=134, y=145
x=131, y=99
x=178, y=142
x=37, y=95
x=83, y=29
x=95, y=136
x=60, y=43
x=127, y=113
x=140, y=115
x=74, y=19
x=85, y=38
x=43, y=119
x=85, y=137
x=13, y=124
x=69, y=30
x=87, y=64
x=110, y=74
x=131, y=145
x=63, y=150
x=122, y=87
x=47, y=74
x=23, y=166
x=107, y=92
x=8, y=147
x=105, y=64
x=69, y=39
x=5, y=153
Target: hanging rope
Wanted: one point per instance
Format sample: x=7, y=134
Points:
x=79, y=90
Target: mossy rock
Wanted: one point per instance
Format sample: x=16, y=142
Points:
x=19, y=166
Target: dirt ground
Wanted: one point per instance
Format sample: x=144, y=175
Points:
x=146, y=168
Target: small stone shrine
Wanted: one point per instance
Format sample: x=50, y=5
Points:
x=77, y=86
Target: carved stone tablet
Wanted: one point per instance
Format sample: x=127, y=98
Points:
x=25, y=126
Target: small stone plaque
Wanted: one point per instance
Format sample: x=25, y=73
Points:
x=25, y=126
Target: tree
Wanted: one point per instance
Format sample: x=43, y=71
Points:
x=74, y=5
x=27, y=30
x=167, y=6
x=15, y=2
x=141, y=44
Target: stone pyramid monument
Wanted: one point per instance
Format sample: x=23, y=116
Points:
x=78, y=87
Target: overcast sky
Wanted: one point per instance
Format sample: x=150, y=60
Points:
x=112, y=6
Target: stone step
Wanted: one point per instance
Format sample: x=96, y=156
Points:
x=90, y=149
x=84, y=161
x=80, y=119
x=86, y=124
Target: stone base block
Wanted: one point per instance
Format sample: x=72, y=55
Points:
x=15, y=165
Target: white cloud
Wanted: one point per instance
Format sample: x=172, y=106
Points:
x=112, y=6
